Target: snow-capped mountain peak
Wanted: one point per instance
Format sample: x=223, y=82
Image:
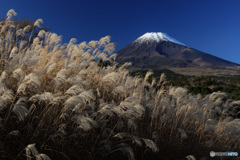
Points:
x=157, y=36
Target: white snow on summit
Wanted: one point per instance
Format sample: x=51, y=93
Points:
x=157, y=36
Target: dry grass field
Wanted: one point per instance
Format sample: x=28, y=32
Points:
x=57, y=102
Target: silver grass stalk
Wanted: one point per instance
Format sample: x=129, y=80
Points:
x=74, y=90
x=14, y=133
x=148, y=74
x=127, y=109
x=149, y=143
x=4, y=28
x=36, y=41
x=27, y=28
x=109, y=48
x=18, y=74
x=6, y=98
x=123, y=135
x=30, y=81
x=13, y=52
x=162, y=78
x=4, y=76
x=103, y=56
x=104, y=41
x=119, y=90
x=19, y=108
x=112, y=57
x=216, y=95
x=153, y=82
x=42, y=156
x=62, y=74
x=41, y=33
x=53, y=39
x=31, y=150
x=50, y=67
x=84, y=123
x=20, y=33
x=110, y=79
x=87, y=96
x=92, y=44
x=46, y=97
x=106, y=110
x=71, y=102
x=38, y=23
x=230, y=129
x=11, y=13
x=3, y=88
x=22, y=44
x=138, y=110
x=190, y=157
x=78, y=80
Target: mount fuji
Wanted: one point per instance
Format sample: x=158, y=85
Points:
x=158, y=50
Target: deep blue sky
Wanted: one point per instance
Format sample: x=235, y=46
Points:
x=212, y=26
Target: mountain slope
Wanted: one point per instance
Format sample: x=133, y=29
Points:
x=158, y=50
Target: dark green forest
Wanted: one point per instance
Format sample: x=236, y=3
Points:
x=195, y=85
